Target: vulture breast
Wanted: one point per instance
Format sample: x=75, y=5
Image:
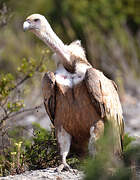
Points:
x=76, y=113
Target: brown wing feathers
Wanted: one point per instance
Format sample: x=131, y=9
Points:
x=104, y=96
x=49, y=94
x=93, y=84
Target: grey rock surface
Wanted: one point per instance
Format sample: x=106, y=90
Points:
x=132, y=119
x=49, y=173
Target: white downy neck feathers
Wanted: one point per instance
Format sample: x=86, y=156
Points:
x=66, y=78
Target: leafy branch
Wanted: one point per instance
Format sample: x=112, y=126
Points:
x=11, y=103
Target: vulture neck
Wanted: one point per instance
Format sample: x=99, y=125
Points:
x=54, y=43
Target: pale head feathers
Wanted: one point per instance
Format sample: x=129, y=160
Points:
x=36, y=23
x=36, y=16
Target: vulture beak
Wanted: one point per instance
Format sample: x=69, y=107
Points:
x=26, y=25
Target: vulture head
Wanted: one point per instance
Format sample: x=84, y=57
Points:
x=35, y=23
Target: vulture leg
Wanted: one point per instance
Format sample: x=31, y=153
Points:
x=64, y=140
x=96, y=132
x=91, y=144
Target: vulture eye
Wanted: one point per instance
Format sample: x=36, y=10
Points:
x=36, y=20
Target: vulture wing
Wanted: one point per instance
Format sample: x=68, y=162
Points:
x=49, y=94
x=104, y=96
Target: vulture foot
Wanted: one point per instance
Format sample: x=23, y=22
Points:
x=65, y=166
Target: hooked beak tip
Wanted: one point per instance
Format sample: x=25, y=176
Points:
x=26, y=26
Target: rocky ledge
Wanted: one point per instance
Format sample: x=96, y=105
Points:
x=49, y=173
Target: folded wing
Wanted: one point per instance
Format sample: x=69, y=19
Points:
x=49, y=94
x=104, y=96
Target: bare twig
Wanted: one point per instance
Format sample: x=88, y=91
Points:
x=20, y=82
x=3, y=15
x=8, y=116
x=28, y=76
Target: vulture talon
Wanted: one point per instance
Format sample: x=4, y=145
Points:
x=65, y=167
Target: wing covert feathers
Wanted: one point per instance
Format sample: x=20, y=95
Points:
x=104, y=96
x=49, y=94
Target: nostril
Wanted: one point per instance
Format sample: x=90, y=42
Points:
x=28, y=20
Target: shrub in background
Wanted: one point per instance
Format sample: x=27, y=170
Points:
x=105, y=166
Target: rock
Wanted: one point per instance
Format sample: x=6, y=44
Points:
x=49, y=174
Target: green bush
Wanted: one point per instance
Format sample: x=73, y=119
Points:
x=105, y=166
x=43, y=152
x=37, y=152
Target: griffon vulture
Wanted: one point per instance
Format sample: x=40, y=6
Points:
x=78, y=98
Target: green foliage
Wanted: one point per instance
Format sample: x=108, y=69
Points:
x=43, y=152
x=127, y=141
x=107, y=166
x=37, y=152
x=131, y=151
x=15, y=106
x=6, y=83
x=12, y=160
x=99, y=169
x=11, y=97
